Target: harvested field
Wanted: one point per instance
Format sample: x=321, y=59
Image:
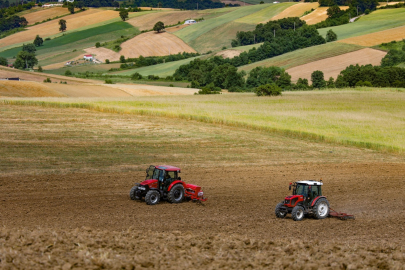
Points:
x=176, y=28
x=146, y=22
x=103, y=53
x=66, y=173
x=74, y=21
x=296, y=11
x=377, y=38
x=265, y=14
x=383, y=4
x=229, y=53
x=27, y=89
x=331, y=67
x=44, y=14
x=318, y=15
x=151, y=90
x=304, y=56
x=154, y=44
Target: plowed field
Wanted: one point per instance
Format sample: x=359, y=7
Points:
x=154, y=44
x=46, y=13
x=88, y=17
x=331, y=67
x=86, y=220
x=318, y=15
x=377, y=38
x=296, y=11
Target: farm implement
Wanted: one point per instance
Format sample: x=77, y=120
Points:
x=163, y=183
x=307, y=199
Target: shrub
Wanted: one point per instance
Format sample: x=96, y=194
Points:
x=224, y=48
x=68, y=73
x=108, y=81
x=122, y=58
x=268, y=90
x=48, y=38
x=98, y=45
x=331, y=36
x=153, y=77
x=171, y=85
x=209, y=90
x=169, y=78
x=317, y=79
x=40, y=69
x=136, y=76
x=367, y=11
x=107, y=61
x=47, y=80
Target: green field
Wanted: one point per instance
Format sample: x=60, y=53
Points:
x=96, y=68
x=304, y=56
x=265, y=14
x=161, y=70
x=376, y=21
x=369, y=118
x=194, y=31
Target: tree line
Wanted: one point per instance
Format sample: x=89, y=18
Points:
x=8, y=20
x=179, y=4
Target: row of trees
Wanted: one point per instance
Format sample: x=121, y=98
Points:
x=180, y=4
x=393, y=57
x=12, y=22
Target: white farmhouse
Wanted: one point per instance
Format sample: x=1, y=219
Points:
x=88, y=57
x=190, y=22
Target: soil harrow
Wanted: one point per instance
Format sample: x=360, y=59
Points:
x=340, y=215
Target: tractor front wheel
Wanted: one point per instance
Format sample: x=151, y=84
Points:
x=132, y=193
x=297, y=213
x=152, y=197
x=176, y=194
x=279, y=212
x=321, y=208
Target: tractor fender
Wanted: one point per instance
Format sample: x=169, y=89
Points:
x=316, y=199
x=175, y=183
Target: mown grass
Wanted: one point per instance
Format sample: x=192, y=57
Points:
x=265, y=14
x=96, y=68
x=304, y=56
x=194, y=31
x=376, y=21
x=370, y=118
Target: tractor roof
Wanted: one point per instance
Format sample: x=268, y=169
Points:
x=310, y=183
x=168, y=168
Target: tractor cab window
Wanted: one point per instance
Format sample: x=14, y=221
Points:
x=301, y=190
x=149, y=172
x=169, y=178
x=315, y=191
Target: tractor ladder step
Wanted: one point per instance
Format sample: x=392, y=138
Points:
x=340, y=215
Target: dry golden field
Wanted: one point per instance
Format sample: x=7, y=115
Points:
x=154, y=44
x=318, y=15
x=377, y=38
x=296, y=10
x=331, y=67
x=46, y=13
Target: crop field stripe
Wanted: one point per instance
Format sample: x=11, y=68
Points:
x=376, y=21
x=385, y=36
x=212, y=120
x=194, y=31
x=304, y=56
x=265, y=14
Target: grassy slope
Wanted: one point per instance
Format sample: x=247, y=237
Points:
x=194, y=31
x=304, y=56
x=161, y=70
x=63, y=46
x=376, y=21
x=348, y=117
x=265, y=14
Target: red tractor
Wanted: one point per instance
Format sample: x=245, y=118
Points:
x=306, y=199
x=163, y=183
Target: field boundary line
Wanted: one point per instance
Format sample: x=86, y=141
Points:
x=206, y=119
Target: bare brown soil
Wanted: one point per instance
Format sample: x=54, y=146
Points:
x=146, y=22
x=331, y=67
x=318, y=15
x=46, y=13
x=394, y=34
x=154, y=44
x=296, y=10
x=85, y=18
x=86, y=220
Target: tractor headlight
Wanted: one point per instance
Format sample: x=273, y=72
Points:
x=141, y=188
x=200, y=194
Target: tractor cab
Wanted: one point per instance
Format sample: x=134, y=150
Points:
x=165, y=175
x=308, y=190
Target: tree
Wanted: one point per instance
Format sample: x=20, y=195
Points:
x=38, y=41
x=3, y=61
x=331, y=36
x=71, y=8
x=159, y=26
x=268, y=90
x=122, y=59
x=107, y=61
x=25, y=59
x=317, y=79
x=29, y=48
x=124, y=14
x=330, y=83
x=333, y=11
x=40, y=69
x=98, y=44
x=62, y=24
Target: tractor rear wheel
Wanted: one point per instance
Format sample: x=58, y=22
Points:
x=176, y=194
x=321, y=208
x=279, y=212
x=152, y=197
x=297, y=213
x=132, y=193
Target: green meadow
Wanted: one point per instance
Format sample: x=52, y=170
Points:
x=363, y=117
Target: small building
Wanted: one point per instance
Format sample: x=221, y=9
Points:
x=190, y=22
x=88, y=57
x=276, y=2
